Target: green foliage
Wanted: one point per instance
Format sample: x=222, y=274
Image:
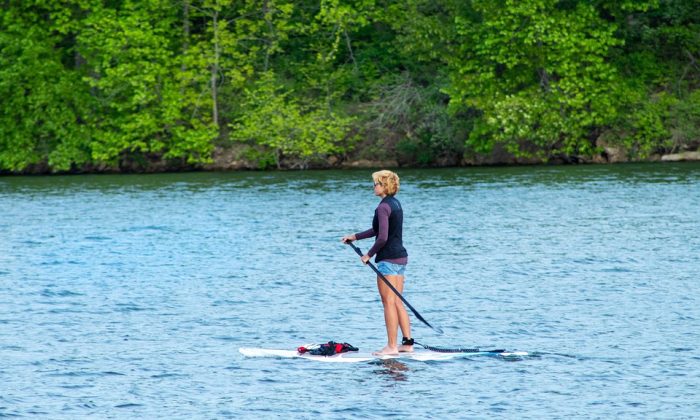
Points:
x=684, y=122
x=272, y=117
x=428, y=133
x=264, y=159
x=645, y=131
x=663, y=124
x=135, y=80
x=42, y=105
x=94, y=84
x=537, y=73
x=661, y=78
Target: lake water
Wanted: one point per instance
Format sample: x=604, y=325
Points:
x=129, y=296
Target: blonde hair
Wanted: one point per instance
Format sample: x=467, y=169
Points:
x=389, y=180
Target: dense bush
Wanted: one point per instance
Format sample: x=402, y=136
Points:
x=92, y=84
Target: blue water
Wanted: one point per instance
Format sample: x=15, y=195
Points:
x=129, y=296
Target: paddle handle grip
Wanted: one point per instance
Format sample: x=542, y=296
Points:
x=355, y=248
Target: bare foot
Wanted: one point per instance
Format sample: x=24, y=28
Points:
x=387, y=351
x=405, y=349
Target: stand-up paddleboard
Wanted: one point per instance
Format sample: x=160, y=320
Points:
x=356, y=356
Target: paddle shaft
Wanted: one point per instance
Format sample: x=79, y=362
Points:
x=391, y=286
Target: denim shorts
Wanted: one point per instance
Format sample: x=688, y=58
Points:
x=391, y=269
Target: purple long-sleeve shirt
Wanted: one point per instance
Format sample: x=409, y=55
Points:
x=383, y=213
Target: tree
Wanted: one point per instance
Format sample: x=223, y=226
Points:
x=44, y=102
x=148, y=104
x=274, y=118
x=538, y=73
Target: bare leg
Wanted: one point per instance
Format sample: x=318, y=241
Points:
x=404, y=320
x=394, y=313
x=391, y=318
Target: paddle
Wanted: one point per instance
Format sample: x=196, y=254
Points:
x=436, y=329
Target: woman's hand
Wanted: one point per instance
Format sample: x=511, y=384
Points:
x=348, y=238
x=365, y=258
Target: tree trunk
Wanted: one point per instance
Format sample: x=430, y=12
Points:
x=215, y=70
x=271, y=31
x=185, y=32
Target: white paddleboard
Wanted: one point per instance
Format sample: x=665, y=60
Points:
x=354, y=357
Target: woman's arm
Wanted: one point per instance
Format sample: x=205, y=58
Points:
x=357, y=236
x=383, y=213
x=366, y=234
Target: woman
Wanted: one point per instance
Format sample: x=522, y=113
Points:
x=391, y=259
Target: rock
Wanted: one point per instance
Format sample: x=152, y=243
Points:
x=679, y=157
x=366, y=164
x=613, y=150
x=227, y=159
x=615, y=154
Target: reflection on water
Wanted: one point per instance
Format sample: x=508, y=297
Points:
x=392, y=369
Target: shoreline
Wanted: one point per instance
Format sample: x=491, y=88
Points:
x=226, y=161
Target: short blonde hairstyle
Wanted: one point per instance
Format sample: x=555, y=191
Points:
x=389, y=180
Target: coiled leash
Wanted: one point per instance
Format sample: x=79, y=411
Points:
x=409, y=342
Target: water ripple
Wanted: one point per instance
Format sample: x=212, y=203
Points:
x=130, y=296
